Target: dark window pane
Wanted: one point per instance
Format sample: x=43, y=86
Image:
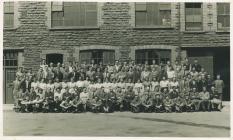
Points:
x=7, y=62
x=15, y=63
x=193, y=5
x=11, y=62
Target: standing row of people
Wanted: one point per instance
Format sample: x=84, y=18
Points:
x=122, y=86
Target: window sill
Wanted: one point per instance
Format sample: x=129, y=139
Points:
x=75, y=28
x=225, y=30
x=153, y=27
x=190, y=32
x=9, y=29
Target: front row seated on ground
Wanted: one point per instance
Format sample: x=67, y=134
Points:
x=97, y=100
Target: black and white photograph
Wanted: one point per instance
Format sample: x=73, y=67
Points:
x=116, y=68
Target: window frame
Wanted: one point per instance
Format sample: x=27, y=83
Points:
x=153, y=26
x=97, y=59
x=12, y=60
x=64, y=27
x=157, y=51
x=11, y=13
x=201, y=16
x=222, y=28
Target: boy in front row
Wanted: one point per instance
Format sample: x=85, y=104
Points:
x=76, y=104
x=65, y=105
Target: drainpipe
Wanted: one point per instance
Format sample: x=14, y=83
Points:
x=179, y=33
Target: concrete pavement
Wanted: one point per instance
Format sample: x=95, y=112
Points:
x=197, y=124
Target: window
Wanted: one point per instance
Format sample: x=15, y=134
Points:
x=10, y=58
x=223, y=18
x=8, y=14
x=152, y=54
x=105, y=56
x=74, y=14
x=153, y=14
x=193, y=16
x=54, y=58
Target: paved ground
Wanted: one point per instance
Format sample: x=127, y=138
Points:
x=198, y=124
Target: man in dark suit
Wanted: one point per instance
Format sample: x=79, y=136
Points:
x=26, y=85
x=196, y=65
x=74, y=74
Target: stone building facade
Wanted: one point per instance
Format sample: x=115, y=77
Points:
x=32, y=36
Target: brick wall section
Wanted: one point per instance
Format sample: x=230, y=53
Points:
x=116, y=29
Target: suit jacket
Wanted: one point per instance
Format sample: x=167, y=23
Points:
x=25, y=85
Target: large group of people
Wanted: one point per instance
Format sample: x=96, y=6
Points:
x=123, y=86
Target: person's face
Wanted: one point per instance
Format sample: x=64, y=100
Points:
x=57, y=80
x=153, y=62
x=212, y=88
x=49, y=89
x=204, y=88
x=218, y=77
x=195, y=61
x=164, y=78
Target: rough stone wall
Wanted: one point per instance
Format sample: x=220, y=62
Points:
x=116, y=28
